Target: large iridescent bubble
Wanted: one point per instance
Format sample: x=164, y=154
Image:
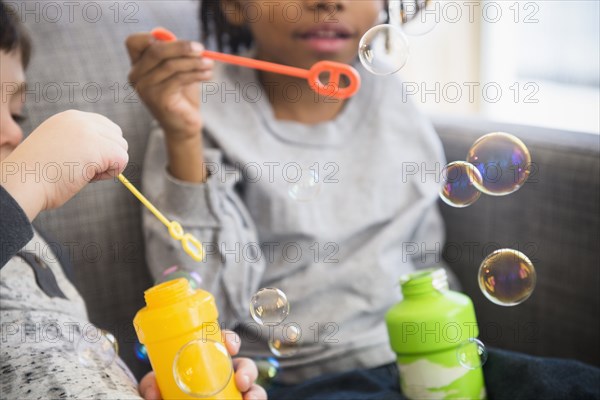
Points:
x=507, y=277
x=503, y=161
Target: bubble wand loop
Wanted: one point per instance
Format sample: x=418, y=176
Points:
x=332, y=88
x=190, y=244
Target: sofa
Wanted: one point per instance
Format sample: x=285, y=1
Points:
x=80, y=62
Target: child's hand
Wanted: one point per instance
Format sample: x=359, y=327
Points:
x=167, y=77
x=60, y=157
x=245, y=369
x=245, y=374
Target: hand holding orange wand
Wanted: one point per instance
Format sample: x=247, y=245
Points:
x=334, y=69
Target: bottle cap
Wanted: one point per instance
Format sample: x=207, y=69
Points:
x=173, y=308
x=424, y=281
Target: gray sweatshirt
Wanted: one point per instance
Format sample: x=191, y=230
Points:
x=40, y=349
x=338, y=253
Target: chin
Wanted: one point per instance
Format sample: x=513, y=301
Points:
x=336, y=57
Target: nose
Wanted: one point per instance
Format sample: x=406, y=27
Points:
x=328, y=6
x=11, y=133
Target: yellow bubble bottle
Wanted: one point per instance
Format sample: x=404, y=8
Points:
x=176, y=317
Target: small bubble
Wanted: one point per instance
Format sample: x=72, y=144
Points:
x=176, y=272
x=459, y=184
x=284, y=341
x=140, y=352
x=471, y=353
x=267, y=371
x=415, y=17
x=96, y=348
x=202, y=367
x=306, y=188
x=383, y=50
x=269, y=306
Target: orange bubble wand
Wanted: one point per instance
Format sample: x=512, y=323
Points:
x=190, y=244
x=336, y=70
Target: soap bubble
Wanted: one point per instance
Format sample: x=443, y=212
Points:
x=140, y=352
x=507, y=277
x=415, y=17
x=471, y=353
x=284, y=341
x=96, y=348
x=503, y=161
x=383, y=50
x=306, y=188
x=267, y=371
x=459, y=180
x=269, y=306
x=202, y=367
x=176, y=272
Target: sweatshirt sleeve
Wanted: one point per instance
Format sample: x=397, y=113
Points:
x=214, y=214
x=15, y=228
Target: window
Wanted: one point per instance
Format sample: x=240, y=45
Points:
x=528, y=62
x=547, y=55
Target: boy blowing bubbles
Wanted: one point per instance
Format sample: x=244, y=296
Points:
x=78, y=147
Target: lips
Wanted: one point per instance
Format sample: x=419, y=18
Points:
x=326, y=32
x=326, y=38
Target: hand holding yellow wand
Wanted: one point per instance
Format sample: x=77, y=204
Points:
x=190, y=244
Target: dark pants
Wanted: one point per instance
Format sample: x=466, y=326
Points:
x=508, y=375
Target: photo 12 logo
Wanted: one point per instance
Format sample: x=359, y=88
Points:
x=431, y=12
x=92, y=12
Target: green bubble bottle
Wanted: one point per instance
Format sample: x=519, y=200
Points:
x=426, y=330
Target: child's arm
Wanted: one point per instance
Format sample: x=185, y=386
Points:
x=167, y=77
x=75, y=148
x=212, y=212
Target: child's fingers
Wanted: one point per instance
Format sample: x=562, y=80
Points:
x=232, y=341
x=136, y=44
x=255, y=393
x=191, y=77
x=245, y=373
x=116, y=139
x=149, y=387
x=108, y=130
x=182, y=79
x=112, y=160
x=158, y=52
x=174, y=66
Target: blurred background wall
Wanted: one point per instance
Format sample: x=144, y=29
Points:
x=530, y=62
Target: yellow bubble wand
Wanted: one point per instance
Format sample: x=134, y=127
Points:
x=190, y=244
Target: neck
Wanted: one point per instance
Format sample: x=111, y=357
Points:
x=292, y=99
